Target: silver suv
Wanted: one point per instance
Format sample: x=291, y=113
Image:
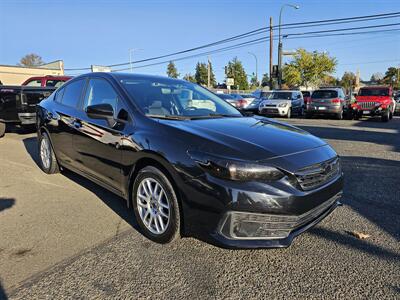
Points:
x=327, y=101
x=283, y=103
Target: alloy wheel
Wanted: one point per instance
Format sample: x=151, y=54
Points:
x=153, y=206
x=45, y=152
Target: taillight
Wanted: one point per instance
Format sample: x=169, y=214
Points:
x=337, y=100
x=241, y=103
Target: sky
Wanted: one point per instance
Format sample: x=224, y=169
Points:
x=82, y=33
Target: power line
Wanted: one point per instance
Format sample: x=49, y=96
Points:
x=259, y=31
x=251, y=43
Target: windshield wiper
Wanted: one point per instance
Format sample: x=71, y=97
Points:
x=168, y=117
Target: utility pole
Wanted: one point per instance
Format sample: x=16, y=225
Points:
x=280, y=42
x=132, y=50
x=209, y=73
x=255, y=57
x=271, y=47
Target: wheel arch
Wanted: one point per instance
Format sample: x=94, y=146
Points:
x=155, y=160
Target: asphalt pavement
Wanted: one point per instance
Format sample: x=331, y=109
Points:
x=64, y=237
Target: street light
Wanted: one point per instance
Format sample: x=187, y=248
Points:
x=280, y=43
x=255, y=57
x=130, y=56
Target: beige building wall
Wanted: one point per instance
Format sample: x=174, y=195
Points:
x=16, y=75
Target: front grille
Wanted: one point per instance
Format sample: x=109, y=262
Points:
x=317, y=175
x=367, y=105
x=269, y=105
x=269, y=111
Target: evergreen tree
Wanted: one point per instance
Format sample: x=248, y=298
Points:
x=189, y=77
x=235, y=70
x=172, y=71
x=201, y=74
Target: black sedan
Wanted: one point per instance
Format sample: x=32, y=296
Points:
x=183, y=159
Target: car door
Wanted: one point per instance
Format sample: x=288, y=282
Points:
x=62, y=120
x=97, y=141
x=296, y=102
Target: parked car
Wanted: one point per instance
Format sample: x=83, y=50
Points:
x=254, y=106
x=283, y=103
x=397, y=100
x=18, y=105
x=245, y=181
x=234, y=99
x=375, y=101
x=328, y=101
x=261, y=93
x=306, y=97
x=248, y=97
x=49, y=80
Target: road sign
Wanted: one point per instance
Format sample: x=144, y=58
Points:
x=230, y=81
x=96, y=68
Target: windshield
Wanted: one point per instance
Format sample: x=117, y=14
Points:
x=374, y=92
x=281, y=95
x=324, y=94
x=159, y=97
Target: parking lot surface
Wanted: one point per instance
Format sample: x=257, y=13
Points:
x=62, y=236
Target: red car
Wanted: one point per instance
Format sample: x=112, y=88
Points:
x=49, y=81
x=306, y=97
x=375, y=101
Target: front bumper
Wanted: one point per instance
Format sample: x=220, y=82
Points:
x=274, y=111
x=293, y=225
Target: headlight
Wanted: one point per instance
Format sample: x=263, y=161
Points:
x=235, y=170
x=282, y=104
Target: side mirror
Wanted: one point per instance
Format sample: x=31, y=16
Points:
x=100, y=111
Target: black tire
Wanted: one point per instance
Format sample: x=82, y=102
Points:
x=289, y=113
x=339, y=115
x=51, y=166
x=300, y=112
x=390, y=115
x=309, y=115
x=172, y=230
x=385, y=116
x=2, y=129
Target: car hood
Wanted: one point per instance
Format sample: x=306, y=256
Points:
x=276, y=101
x=248, y=138
x=372, y=98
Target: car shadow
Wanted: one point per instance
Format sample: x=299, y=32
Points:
x=31, y=147
x=3, y=295
x=371, y=188
x=6, y=203
x=354, y=243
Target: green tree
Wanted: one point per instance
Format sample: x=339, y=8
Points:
x=235, y=70
x=213, y=81
x=172, y=71
x=377, y=77
x=348, y=81
x=254, y=83
x=308, y=68
x=392, y=76
x=31, y=60
x=265, y=80
x=201, y=74
x=189, y=77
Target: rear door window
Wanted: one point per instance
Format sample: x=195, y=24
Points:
x=72, y=93
x=324, y=94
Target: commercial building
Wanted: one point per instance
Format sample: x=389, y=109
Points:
x=16, y=75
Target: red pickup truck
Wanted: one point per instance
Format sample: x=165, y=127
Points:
x=374, y=101
x=47, y=81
